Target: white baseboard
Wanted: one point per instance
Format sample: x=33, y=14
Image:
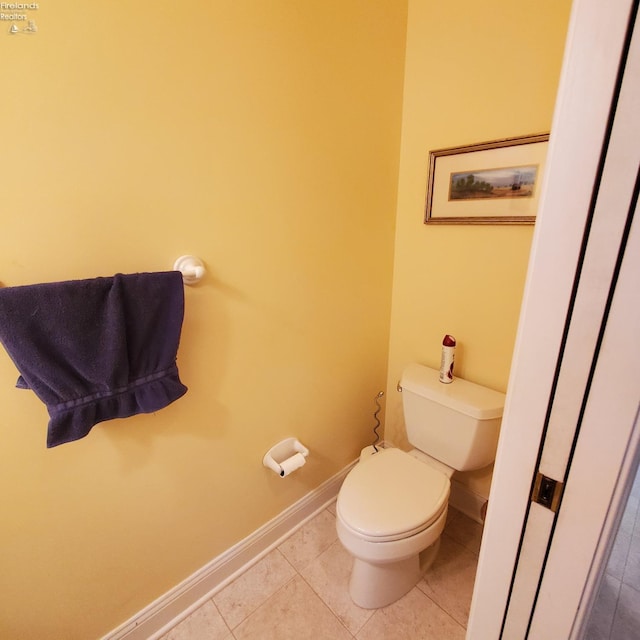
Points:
x=470, y=503
x=175, y=605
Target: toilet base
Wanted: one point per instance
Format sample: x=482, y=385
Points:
x=373, y=586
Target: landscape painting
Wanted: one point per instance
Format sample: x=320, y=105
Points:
x=511, y=182
x=496, y=182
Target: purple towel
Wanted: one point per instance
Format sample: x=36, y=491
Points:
x=94, y=350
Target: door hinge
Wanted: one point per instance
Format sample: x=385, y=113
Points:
x=547, y=492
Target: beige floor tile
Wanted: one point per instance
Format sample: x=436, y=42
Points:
x=601, y=616
x=626, y=622
x=635, y=490
x=300, y=591
x=631, y=575
x=449, y=581
x=256, y=585
x=293, y=613
x=205, y=623
x=466, y=531
x=306, y=544
x=328, y=575
x=629, y=516
x=452, y=514
x=619, y=553
x=413, y=617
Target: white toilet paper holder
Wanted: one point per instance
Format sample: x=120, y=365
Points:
x=286, y=456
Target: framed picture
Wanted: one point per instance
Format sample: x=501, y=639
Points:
x=487, y=183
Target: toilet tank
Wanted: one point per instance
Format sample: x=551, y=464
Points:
x=456, y=423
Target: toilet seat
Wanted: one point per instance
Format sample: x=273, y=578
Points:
x=391, y=496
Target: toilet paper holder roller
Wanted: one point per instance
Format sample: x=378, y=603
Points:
x=286, y=456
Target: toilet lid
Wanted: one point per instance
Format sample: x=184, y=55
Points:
x=392, y=494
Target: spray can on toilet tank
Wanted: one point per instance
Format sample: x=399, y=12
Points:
x=447, y=358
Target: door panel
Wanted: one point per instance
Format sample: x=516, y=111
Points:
x=601, y=334
x=564, y=350
x=606, y=444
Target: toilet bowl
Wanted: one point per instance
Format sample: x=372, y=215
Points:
x=392, y=505
x=391, y=510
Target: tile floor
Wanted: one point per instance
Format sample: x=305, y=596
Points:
x=300, y=590
x=616, y=612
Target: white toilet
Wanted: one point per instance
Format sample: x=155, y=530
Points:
x=392, y=505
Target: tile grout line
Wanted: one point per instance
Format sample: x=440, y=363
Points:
x=280, y=588
x=296, y=574
x=426, y=595
x=326, y=604
x=320, y=597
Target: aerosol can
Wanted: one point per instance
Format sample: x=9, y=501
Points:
x=447, y=358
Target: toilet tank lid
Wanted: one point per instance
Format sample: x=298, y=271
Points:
x=460, y=395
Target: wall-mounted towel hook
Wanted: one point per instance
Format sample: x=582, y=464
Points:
x=192, y=269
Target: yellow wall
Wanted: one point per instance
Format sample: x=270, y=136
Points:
x=474, y=72
x=263, y=137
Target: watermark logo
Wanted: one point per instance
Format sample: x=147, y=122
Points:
x=30, y=27
x=17, y=13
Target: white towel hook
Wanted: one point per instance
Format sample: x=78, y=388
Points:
x=192, y=269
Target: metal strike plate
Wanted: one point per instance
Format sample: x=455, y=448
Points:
x=547, y=492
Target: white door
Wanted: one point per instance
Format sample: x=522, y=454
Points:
x=574, y=389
